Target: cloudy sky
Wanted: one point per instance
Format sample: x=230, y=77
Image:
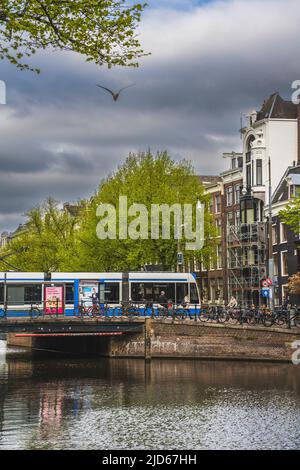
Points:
x=211, y=60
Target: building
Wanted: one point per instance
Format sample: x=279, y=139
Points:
x=224, y=191
x=270, y=142
x=286, y=244
x=240, y=206
x=210, y=271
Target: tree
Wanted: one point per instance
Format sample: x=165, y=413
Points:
x=47, y=242
x=101, y=30
x=144, y=179
x=294, y=284
x=291, y=215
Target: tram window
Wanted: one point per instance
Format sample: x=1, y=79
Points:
x=33, y=293
x=15, y=294
x=69, y=293
x=1, y=293
x=168, y=288
x=181, y=291
x=112, y=292
x=194, y=294
x=141, y=291
x=24, y=294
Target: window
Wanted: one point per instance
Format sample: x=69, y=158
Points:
x=218, y=203
x=19, y=295
x=237, y=192
x=229, y=196
x=276, y=271
x=1, y=293
x=141, y=291
x=284, y=233
x=274, y=235
x=230, y=219
x=151, y=291
x=181, y=291
x=233, y=163
x=237, y=218
x=112, y=292
x=258, y=172
x=248, y=176
x=284, y=263
x=211, y=204
x=33, y=293
x=69, y=293
x=194, y=294
x=219, y=227
x=219, y=257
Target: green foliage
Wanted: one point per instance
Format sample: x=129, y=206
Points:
x=47, y=242
x=147, y=180
x=291, y=215
x=55, y=241
x=101, y=30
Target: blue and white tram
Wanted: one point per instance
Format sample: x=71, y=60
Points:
x=65, y=292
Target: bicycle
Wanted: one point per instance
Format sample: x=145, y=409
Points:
x=285, y=317
x=90, y=310
x=213, y=314
x=3, y=311
x=35, y=311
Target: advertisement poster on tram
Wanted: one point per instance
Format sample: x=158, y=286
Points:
x=87, y=292
x=54, y=300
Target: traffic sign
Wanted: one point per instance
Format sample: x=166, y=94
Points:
x=265, y=292
x=180, y=259
x=265, y=283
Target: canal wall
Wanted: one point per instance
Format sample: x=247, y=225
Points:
x=190, y=340
x=178, y=339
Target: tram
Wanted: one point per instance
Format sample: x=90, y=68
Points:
x=64, y=293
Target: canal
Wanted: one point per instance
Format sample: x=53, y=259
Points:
x=54, y=402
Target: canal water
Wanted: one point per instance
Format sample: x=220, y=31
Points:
x=56, y=402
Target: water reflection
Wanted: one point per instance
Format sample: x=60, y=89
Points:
x=71, y=403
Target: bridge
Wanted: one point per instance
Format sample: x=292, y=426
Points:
x=152, y=338
x=69, y=326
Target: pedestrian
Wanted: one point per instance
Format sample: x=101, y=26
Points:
x=162, y=299
x=232, y=303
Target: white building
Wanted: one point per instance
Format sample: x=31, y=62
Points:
x=273, y=133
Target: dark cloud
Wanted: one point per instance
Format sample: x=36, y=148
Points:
x=60, y=134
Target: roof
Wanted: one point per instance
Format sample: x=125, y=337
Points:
x=282, y=191
x=277, y=108
x=294, y=179
x=207, y=180
x=72, y=209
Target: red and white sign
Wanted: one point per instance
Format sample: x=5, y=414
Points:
x=266, y=282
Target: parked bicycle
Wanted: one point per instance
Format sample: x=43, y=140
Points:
x=213, y=314
x=35, y=311
x=3, y=311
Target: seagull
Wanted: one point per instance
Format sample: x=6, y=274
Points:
x=115, y=95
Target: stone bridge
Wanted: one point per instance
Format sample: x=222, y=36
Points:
x=157, y=338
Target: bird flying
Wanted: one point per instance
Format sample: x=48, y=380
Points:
x=114, y=95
